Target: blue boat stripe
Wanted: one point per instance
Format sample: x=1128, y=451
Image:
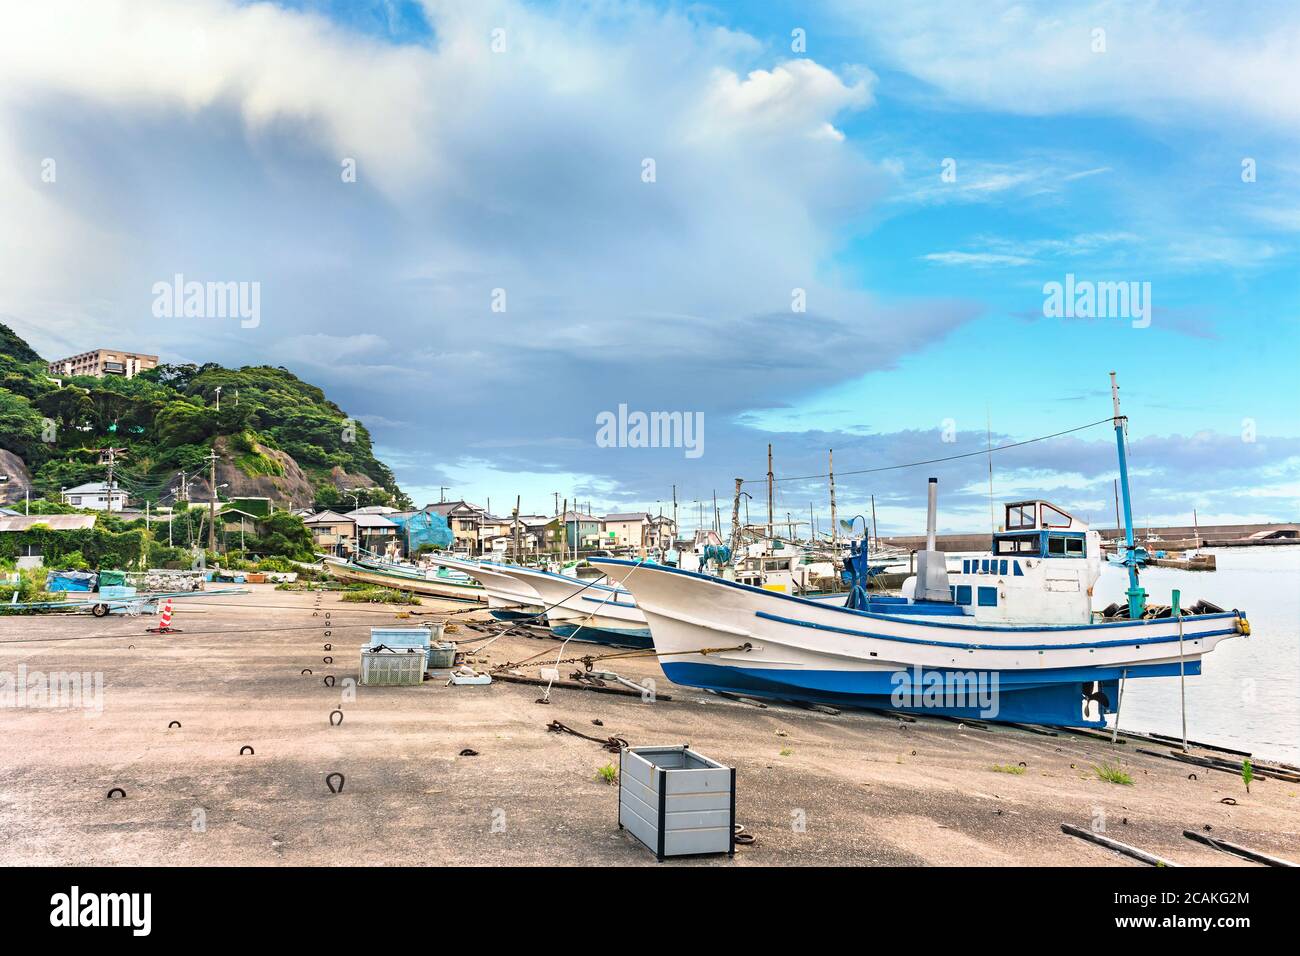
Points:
x=623, y=562
x=985, y=647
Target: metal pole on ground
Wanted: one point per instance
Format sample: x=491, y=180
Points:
x=1119, y=704
x=1182, y=669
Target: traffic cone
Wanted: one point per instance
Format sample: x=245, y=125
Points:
x=164, y=621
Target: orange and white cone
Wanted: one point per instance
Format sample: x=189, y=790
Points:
x=164, y=621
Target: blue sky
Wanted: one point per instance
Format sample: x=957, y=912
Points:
x=501, y=145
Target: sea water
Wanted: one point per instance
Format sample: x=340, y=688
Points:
x=1247, y=695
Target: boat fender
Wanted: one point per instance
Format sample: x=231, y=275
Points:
x=1243, y=627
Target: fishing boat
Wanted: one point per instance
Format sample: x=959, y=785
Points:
x=508, y=599
x=1010, y=637
x=583, y=610
x=442, y=584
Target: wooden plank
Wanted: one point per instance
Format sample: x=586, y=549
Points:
x=1241, y=851
x=1123, y=848
x=571, y=685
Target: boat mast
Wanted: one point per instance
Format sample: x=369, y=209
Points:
x=1136, y=596
x=769, y=490
x=835, y=528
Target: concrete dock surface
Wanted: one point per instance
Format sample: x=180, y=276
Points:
x=853, y=789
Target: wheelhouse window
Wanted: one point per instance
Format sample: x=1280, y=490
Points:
x=1061, y=546
x=1021, y=516
x=1017, y=544
x=1055, y=518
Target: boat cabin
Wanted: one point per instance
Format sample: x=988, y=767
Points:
x=1039, y=529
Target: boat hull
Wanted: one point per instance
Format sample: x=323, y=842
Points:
x=723, y=636
x=431, y=587
x=583, y=610
x=507, y=598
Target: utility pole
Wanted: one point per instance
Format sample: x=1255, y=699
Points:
x=557, y=501
x=442, y=496
x=112, y=461
x=875, y=530
x=735, y=518
x=218, y=398
x=835, y=527
x=516, y=529
x=212, y=503
x=564, y=531
x=769, y=490
x=674, y=512
x=717, y=518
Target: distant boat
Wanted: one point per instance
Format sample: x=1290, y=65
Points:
x=458, y=588
x=583, y=610
x=508, y=598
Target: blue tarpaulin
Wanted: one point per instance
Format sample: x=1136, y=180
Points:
x=421, y=528
x=71, y=581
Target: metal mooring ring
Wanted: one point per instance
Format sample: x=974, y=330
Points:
x=328, y=660
x=329, y=647
x=116, y=790
x=246, y=747
x=329, y=782
x=328, y=680
x=306, y=670
x=328, y=633
x=174, y=723
x=1192, y=776
x=333, y=722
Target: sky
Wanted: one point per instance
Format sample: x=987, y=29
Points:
x=484, y=226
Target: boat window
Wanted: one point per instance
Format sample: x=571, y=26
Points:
x=1068, y=547
x=988, y=597
x=961, y=594
x=1017, y=544
x=1054, y=518
x=1020, y=516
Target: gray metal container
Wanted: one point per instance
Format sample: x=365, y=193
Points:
x=676, y=801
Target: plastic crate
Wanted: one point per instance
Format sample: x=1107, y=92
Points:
x=400, y=637
x=442, y=655
x=403, y=668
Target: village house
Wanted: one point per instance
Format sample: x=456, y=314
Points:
x=95, y=496
x=626, y=530
x=582, y=530
x=332, y=533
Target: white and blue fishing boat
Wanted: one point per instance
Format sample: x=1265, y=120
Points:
x=583, y=610
x=1011, y=636
x=508, y=599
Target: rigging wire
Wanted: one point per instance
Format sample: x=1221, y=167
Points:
x=933, y=461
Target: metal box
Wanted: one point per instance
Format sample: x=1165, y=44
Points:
x=676, y=801
x=393, y=668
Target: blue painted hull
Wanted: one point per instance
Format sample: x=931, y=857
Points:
x=502, y=614
x=1053, y=697
x=613, y=637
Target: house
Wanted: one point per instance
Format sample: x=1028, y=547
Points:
x=662, y=534
x=582, y=530
x=465, y=521
x=375, y=533
x=95, y=496
x=29, y=555
x=626, y=530
x=332, y=532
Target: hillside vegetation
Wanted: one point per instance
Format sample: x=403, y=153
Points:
x=276, y=435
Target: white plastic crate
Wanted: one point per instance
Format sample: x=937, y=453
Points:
x=676, y=801
x=393, y=669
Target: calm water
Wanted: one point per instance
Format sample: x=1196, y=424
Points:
x=1248, y=694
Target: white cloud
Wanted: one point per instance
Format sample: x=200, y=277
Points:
x=1211, y=63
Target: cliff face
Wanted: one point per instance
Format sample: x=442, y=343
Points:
x=15, y=480
x=276, y=476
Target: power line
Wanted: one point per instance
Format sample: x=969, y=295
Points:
x=935, y=461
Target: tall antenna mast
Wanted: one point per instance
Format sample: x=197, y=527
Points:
x=835, y=528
